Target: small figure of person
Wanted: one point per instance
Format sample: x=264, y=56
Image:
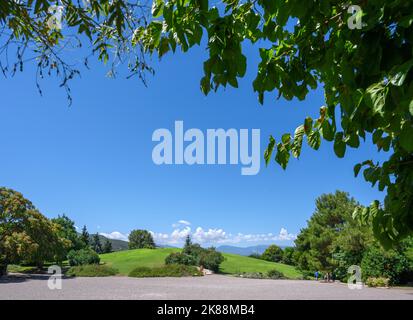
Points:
x=316, y=275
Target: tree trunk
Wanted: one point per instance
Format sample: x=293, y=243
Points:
x=3, y=270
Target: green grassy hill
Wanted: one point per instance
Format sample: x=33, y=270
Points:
x=125, y=261
x=235, y=264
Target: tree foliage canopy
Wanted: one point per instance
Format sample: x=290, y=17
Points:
x=273, y=253
x=366, y=73
x=333, y=241
x=139, y=239
x=68, y=231
x=25, y=234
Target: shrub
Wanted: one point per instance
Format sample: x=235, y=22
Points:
x=83, y=257
x=91, y=270
x=194, y=254
x=193, y=249
x=252, y=275
x=171, y=270
x=288, y=255
x=273, y=253
x=275, y=274
x=181, y=258
x=389, y=264
x=211, y=259
x=377, y=282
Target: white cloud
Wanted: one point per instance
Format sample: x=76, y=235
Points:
x=284, y=235
x=116, y=235
x=209, y=236
x=181, y=223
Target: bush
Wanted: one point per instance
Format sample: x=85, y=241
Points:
x=273, y=253
x=288, y=256
x=275, y=274
x=181, y=258
x=194, y=254
x=378, y=263
x=252, y=275
x=272, y=274
x=377, y=282
x=83, y=257
x=211, y=259
x=193, y=249
x=171, y=270
x=91, y=270
x=255, y=255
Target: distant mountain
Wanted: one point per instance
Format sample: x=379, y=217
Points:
x=117, y=245
x=244, y=251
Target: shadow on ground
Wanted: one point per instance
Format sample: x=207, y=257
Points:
x=20, y=277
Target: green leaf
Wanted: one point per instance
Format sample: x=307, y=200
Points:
x=268, y=152
x=406, y=136
x=399, y=73
x=298, y=141
x=327, y=131
x=286, y=138
x=377, y=135
x=356, y=169
x=205, y=85
x=314, y=140
x=353, y=140
x=241, y=65
x=157, y=7
x=374, y=208
x=282, y=156
x=308, y=125
x=339, y=145
x=376, y=97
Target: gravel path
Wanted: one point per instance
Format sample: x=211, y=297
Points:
x=203, y=288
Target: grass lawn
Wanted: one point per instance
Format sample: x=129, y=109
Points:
x=235, y=264
x=126, y=261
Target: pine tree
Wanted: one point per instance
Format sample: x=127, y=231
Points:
x=85, y=237
x=107, y=247
x=96, y=245
x=188, y=241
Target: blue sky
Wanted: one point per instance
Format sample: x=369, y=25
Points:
x=93, y=160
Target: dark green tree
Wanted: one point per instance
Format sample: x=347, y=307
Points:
x=391, y=264
x=68, y=231
x=288, y=255
x=273, y=253
x=85, y=236
x=25, y=234
x=192, y=249
x=107, y=246
x=96, y=244
x=139, y=239
x=188, y=241
x=333, y=241
x=211, y=259
x=314, y=244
